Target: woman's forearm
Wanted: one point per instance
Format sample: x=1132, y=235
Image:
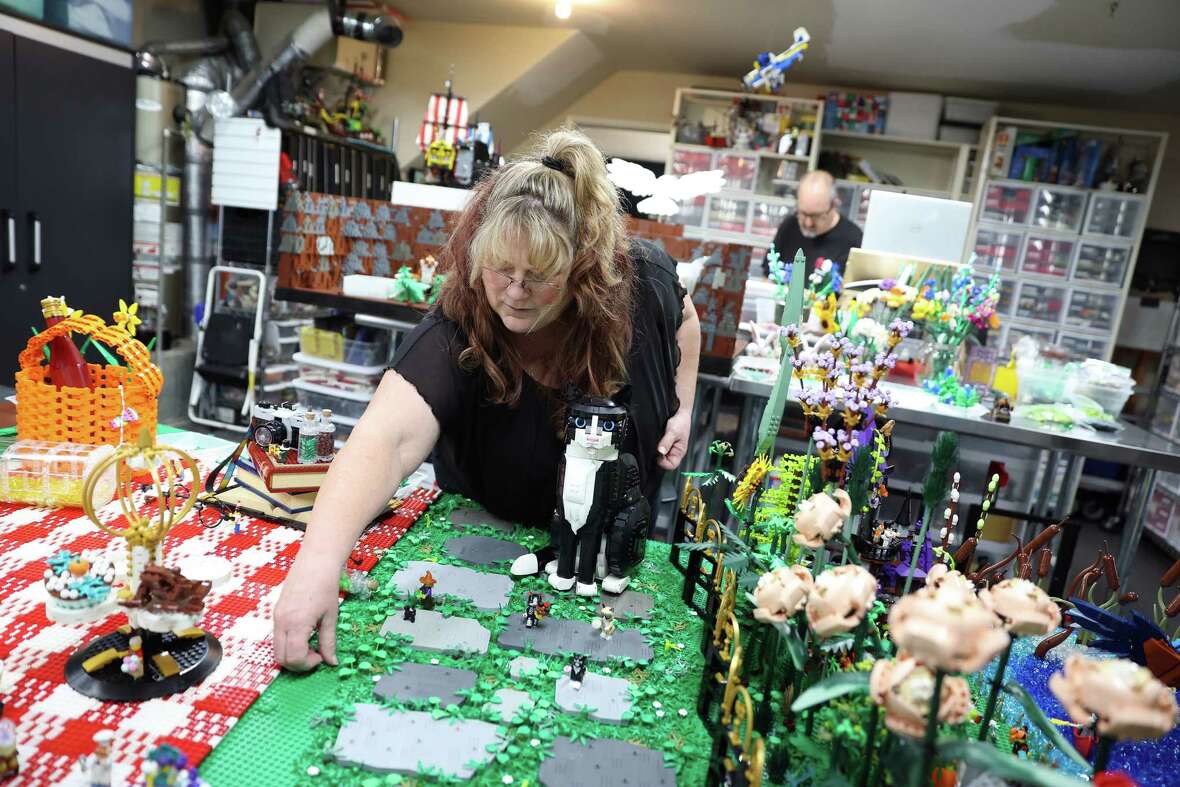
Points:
x=688, y=338
x=393, y=437
x=360, y=482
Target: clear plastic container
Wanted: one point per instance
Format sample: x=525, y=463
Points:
x=1104, y=263
x=767, y=218
x=1040, y=302
x=334, y=347
x=728, y=215
x=1093, y=310
x=343, y=404
x=739, y=171
x=1058, y=209
x=1047, y=256
x=1117, y=215
x=691, y=213
x=1080, y=346
x=1004, y=204
x=997, y=247
x=53, y=474
x=1041, y=382
x=335, y=374
x=1164, y=419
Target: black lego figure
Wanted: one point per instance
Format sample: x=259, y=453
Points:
x=577, y=670
x=536, y=610
x=600, y=508
x=410, y=613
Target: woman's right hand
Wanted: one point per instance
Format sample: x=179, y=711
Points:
x=308, y=603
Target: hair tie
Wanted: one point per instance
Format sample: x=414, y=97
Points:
x=557, y=164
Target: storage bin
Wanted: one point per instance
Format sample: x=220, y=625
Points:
x=1101, y=263
x=1047, y=256
x=334, y=347
x=42, y=473
x=1040, y=302
x=1041, y=381
x=1094, y=310
x=1056, y=208
x=348, y=404
x=341, y=376
x=1004, y=204
x=995, y=246
x=1116, y=215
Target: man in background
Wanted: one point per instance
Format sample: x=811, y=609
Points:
x=817, y=226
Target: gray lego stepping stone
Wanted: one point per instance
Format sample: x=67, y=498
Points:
x=605, y=763
x=473, y=517
x=630, y=604
x=605, y=697
x=524, y=665
x=431, y=631
x=489, y=592
x=511, y=701
x=423, y=681
x=482, y=550
x=406, y=741
x=566, y=637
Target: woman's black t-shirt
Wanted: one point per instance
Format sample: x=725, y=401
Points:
x=506, y=458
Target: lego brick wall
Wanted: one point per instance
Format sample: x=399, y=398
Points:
x=324, y=237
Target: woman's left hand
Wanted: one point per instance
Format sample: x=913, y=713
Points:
x=674, y=443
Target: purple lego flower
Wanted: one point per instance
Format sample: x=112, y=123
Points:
x=888, y=284
x=901, y=327
x=824, y=439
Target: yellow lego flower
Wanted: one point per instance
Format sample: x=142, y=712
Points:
x=127, y=318
x=751, y=481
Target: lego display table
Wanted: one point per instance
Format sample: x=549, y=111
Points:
x=55, y=725
x=468, y=690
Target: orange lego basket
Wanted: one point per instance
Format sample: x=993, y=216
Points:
x=121, y=403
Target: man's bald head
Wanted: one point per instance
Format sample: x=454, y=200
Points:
x=817, y=203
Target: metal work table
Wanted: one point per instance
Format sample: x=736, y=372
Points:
x=1144, y=452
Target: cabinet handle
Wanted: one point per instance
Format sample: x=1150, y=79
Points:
x=9, y=239
x=35, y=233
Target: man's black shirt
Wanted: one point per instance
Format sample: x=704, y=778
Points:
x=833, y=244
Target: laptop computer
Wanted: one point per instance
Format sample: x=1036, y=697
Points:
x=906, y=230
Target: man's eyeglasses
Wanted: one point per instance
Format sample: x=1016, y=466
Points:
x=531, y=286
x=816, y=217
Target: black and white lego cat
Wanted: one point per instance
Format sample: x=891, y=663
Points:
x=601, y=521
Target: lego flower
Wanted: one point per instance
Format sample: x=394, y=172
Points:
x=840, y=599
x=751, y=481
x=127, y=317
x=821, y=516
x=939, y=577
x=781, y=593
x=1025, y=609
x=947, y=629
x=904, y=688
x=1130, y=703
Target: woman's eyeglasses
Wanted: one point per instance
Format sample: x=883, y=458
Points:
x=531, y=286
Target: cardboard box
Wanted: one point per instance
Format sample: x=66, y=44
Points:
x=913, y=115
x=968, y=110
x=964, y=135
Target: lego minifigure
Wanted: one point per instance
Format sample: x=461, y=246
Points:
x=605, y=622
x=410, y=613
x=98, y=765
x=133, y=661
x=537, y=609
x=9, y=763
x=237, y=520
x=426, y=591
x=1001, y=410
x=576, y=669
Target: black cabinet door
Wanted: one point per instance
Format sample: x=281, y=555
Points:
x=75, y=127
x=15, y=296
